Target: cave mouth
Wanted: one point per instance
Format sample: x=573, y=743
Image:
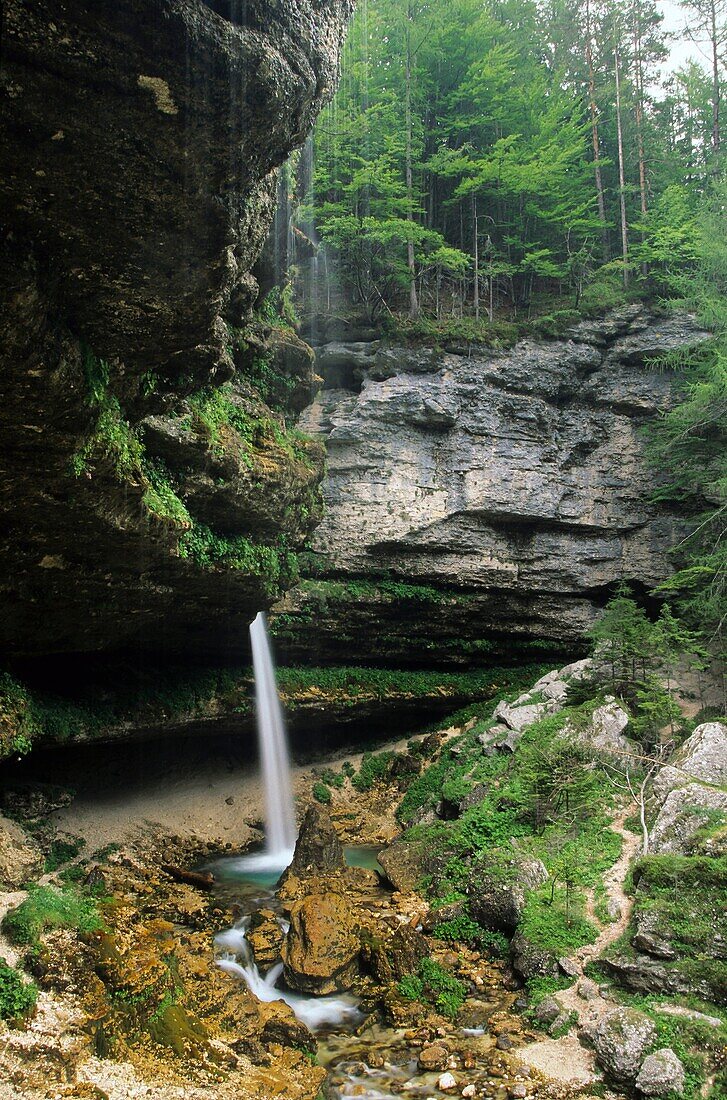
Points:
x=117, y=769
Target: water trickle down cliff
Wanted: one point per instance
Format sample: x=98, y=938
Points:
x=149, y=495
x=477, y=501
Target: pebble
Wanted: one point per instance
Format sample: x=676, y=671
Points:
x=518, y=1092
x=447, y=1082
x=469, y=1091
x=504, y=1042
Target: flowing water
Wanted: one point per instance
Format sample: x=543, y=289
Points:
x=280, y=830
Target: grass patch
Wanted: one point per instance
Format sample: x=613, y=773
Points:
x=46, y=908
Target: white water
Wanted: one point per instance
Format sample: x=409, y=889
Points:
x=280, y=831
x=314, y=1012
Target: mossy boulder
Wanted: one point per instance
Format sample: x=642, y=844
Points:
x=322, y=946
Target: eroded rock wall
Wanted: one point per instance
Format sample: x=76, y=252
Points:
x=477, y=494
x=139, y=141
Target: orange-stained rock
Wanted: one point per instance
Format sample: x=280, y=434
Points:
x=321, y=949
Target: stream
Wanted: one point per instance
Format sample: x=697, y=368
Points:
x=364, y=1057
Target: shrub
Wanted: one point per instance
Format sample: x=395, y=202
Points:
x=433, y=983
x=321, y=793
x=62, y=851
x=17, y=997
x=374, y=766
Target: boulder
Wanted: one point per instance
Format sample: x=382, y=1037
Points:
x=404, y=864
x=20, y=857
x=643, y=974
x=605, y=731
x=497, y=900
x=322, y=946
x=702, y=757
x=684, y=812
x=531, y=961
x=318, y=849
x=432, y=1057
x=391, y=958
x=518, y=718
x=661, y=1074
x=621, y=1040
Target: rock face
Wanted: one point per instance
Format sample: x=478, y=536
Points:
x=135, y=201
x=508, y=488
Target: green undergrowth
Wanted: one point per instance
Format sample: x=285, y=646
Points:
x=163, y=695
x=17, y=996
x=351, y=685
x=551, y=317
x=47, y=908
x=551, y=800
x=684, y=901
x=432, y=984
x=275, y=566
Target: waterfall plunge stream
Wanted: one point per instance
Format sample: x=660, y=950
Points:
x=280, y=836
x=280, y=830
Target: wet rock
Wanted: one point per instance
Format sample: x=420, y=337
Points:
x=265, y=936
x=174, y=1027
x=318, y=849
x=20, y=857
x=661, y=1074
x=621, y=1040
x=321, y=949
x=283, y=1027
x=433, y=1057
x=497, y=900
x=391, y=956
x=447, y=1082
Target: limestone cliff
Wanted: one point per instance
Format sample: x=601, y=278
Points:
x=477, y=498
x=149, y=495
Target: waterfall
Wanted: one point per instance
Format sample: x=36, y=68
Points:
x=280, y=831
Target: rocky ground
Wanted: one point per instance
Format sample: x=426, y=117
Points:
x=129, y=1000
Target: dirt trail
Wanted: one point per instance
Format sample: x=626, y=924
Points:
x=564, y=1059
x=613, y=881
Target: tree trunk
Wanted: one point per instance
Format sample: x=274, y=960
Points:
x=621, y=176
x=595, y=138
x=715, y=80
x=413, y=299
x=476, y=255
